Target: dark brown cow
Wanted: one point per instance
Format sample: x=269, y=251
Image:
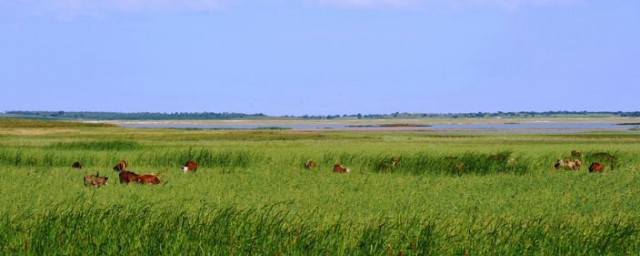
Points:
x=309, y=164
x=190, y=166
x=596, y=167
x=95, y=180
x=122, y=165
x=128, y=177
x=338, y=168
x=148, y=179
x=76, y=165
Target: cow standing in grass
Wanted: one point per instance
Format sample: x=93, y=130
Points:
x=190, y=166
x=95, y=180
x=568, y=164
x=596, y=167
x=76, y=165
x=338, y=168
x=128, y=177
x=309, y=164
x=388, y=163
x=576, y=153
x=604, y=158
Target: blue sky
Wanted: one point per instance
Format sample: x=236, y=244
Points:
x=295, y=57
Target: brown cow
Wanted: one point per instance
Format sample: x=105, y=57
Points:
x=148, y=179
x=576, y=153
x=395, y=160
x=95, y=180
x=309, y=164
x=596, y=167
x=122, y=165
x=388, y=163
x=568, y=164
x=128, y=177
x=190, y=166
x=338, y=168
x=605, y=158
x=76, y=165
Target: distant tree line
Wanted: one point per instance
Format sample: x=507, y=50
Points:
x=82, y=115
x=521, y=114
x=72, y=115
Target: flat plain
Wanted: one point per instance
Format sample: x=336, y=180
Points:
x=449, y=194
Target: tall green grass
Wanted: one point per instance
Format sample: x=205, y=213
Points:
x=111, y=145
x=103, y=154
x=272, y=230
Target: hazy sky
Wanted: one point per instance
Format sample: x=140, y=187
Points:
x=294, y=57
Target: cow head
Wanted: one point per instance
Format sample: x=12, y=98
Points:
x=76, y=165
x=122, y=165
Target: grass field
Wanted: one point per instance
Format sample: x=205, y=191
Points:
x=450, y=194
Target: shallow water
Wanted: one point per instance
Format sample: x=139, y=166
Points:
x=523, y=127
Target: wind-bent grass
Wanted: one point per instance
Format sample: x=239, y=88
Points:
x=449, y=194
x=272, y=230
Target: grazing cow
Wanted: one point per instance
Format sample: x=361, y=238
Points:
x=190, y=166
x=455, y=165
x=338, y=168
x=95, y=180
x=148, y=179
x=122, y=165
x=567, y=163
x=387, y=164
x=604, y=158
x=76, y=165
x=576, y=153
x=309, y=164
x=394, y=161
x=596, y=167
x=128, y=177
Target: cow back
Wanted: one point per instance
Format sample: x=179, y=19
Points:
x=148, y=179
x=128, y=177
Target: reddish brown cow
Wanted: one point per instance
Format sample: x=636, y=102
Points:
x=309, y=164
x=122, y=165
x=148, y=179
x=338, y=168
x=76, y=165
x=128, y=177
x=190, y=166
x=596, y=167
x=95, y=180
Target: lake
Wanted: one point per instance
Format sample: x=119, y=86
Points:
x=519, y=127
